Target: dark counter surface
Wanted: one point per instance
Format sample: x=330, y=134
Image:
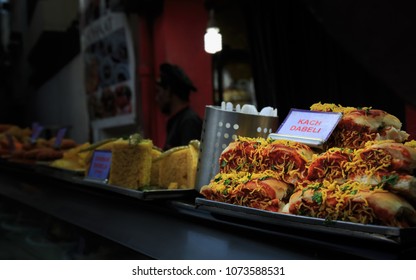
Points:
x=175, y=228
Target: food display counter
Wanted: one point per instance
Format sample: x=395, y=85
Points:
x=176, y=227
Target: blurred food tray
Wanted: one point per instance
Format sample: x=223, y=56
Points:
x=45, y=167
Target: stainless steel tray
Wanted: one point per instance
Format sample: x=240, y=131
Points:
x=150, y=194
x=78, y=178
x=402, y=236
x=45, y=167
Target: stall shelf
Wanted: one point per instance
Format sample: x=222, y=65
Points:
x=176, y=228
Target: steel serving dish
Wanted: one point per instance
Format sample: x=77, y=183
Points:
x=402, y=236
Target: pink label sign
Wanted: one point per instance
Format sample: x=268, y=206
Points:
x=100, y=165
x=59, y=136
x=36, y=130
x=309, y=124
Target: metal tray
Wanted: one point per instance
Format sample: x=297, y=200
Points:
x=150, y=194
x=45, y=167
x=401, y=236
x=77, y=177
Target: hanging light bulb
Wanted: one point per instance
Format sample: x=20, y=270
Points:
x=212, y=38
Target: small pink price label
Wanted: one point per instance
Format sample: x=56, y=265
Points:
x=36, y=131
x=305, y=124
x=100, y=165
x=59, y=136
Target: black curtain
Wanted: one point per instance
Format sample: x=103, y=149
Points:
x=296, y=62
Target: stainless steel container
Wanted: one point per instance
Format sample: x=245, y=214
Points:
x=222, y=127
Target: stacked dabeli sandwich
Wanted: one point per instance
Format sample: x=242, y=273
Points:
x=364, y=174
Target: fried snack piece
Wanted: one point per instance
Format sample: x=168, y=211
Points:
x=243, y=154
x=400, y=183
x=131, y=164
x=384, y=156
x=360, y=125
x=43, y=154
x=353, y=202
x=286, y=158
x=330, y=165
x=5, y=126
x=72, y=159
x=176, y=167
x=259, y=190
x=289, y=159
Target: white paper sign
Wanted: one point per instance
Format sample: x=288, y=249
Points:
x=308, y=125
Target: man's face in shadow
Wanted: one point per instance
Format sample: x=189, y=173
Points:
x=163, y=99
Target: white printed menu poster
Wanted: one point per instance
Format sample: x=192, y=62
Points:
x=108, y=56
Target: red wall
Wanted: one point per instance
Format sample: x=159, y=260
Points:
x=175, y=36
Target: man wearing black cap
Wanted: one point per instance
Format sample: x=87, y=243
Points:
x=173, y=90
